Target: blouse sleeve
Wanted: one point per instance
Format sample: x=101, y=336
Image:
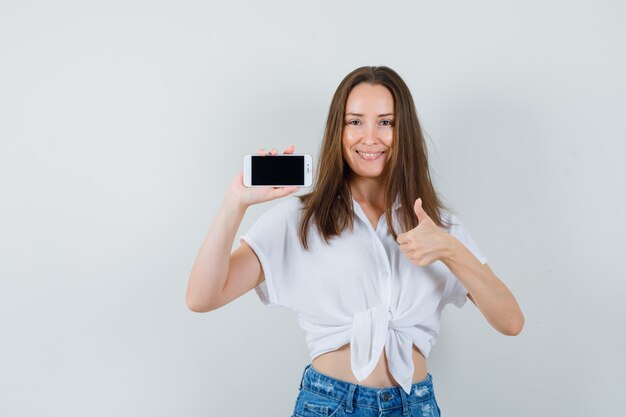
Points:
x=269, y=239
x=457, y=293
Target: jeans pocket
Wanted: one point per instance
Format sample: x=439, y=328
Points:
x=311, y=404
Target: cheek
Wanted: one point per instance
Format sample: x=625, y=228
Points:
x=388, y=142
x=345, y=149
x=348, y=141
x=388, y=138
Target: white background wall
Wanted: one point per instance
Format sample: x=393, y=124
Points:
x=122, y=123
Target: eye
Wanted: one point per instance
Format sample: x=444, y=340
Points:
x=350, y=122
x=390, y=123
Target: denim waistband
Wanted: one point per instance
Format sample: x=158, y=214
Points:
x=364, y=396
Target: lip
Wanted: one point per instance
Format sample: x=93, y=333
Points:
x=370, y=159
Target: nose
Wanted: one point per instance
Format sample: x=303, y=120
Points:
x=370, y=135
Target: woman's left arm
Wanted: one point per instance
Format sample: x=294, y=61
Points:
x=486, y=291
x=428, y=243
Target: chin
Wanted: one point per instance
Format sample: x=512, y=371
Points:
x=368, y=174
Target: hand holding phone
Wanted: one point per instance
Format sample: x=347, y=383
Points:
x=248, y=196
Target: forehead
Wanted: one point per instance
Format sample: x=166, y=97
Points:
x=369, y=99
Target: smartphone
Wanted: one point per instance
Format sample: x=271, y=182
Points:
x=281, y=170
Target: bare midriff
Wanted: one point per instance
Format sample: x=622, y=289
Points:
x=337, y=364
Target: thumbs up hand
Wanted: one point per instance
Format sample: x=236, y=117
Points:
x=426, y=243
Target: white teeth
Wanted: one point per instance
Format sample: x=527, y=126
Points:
x=370, y=155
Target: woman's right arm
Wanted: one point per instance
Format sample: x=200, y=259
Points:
x=217, y=276
x=210, y=269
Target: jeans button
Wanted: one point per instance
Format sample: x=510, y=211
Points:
x=386, y=396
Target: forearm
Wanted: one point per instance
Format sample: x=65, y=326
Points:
x=489, y=293
x=210, y=269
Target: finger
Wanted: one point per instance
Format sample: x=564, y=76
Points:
x=274, y=151
x=261, y=151
x=290, y=149
x=402, y=238
x=284, y=191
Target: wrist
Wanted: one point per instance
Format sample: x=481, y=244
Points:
x=451, y=249
x=233, y=203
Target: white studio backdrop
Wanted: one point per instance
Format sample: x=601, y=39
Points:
x=123, y=122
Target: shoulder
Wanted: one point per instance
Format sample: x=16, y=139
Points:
x=286, y=205
x=285, y=209
x=448, y=217
x=459, y=230
x=275, y=224
x=456, y=226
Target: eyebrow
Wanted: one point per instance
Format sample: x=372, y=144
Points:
x=360, y=115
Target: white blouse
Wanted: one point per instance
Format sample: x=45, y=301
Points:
x=360, y=288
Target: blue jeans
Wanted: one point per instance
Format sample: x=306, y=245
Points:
x=321, y=395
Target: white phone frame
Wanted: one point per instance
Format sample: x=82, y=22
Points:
x=308, y=170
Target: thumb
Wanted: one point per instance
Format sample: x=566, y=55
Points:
x=419, y=211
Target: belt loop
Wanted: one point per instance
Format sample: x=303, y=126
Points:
x=302, y=378
x=405, y=402
x=350, y=398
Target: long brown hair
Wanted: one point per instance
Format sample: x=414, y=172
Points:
x=329, y=204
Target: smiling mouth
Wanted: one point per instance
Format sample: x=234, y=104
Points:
x=370, y=156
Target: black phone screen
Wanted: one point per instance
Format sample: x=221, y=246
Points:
x=277, y=170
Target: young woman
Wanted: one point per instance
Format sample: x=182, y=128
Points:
x=368, y=259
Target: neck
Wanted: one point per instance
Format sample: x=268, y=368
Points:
x=370, y=191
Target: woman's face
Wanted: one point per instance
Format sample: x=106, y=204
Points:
x=368, y=130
